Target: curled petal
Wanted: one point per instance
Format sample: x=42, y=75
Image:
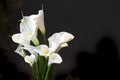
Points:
x=62, y=46
x=39, y=20
x=57, y=40
x=66, y=37
x=54, y=58
x=18, y=38
x=30, y=59
x=60, y=37
x=20, y=51
x=43, y=50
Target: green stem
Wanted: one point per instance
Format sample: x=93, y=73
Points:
x=46, y=76
x=37, y=70
x=44, y=36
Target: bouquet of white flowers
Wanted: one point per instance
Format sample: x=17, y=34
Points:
x=39, y=56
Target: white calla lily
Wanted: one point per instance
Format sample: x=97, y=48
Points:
x=55, y=58
x=18, y=38
x=29, y=29
x=39, y=20
x=30, y=59
x=59, y=40
x=20, y=51
x=43, y=50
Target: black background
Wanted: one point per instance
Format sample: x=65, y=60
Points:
x=93, y=54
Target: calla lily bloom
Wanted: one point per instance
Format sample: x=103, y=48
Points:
x=29, y=29
x=18, y=38
x=20, y=51
x=55, y=58
x=30, y=24
x=30, y=59
x=44, y=50
x=39, y=20
x=59, y=40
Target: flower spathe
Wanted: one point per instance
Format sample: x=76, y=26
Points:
x=39, y=21
x=43, y=50
x=55, y=58
x=30, y=59
x=59, y=40
x=18, y=38
x=29, y=29
x=20, y=51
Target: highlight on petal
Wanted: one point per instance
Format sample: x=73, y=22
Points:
x=66, y=37
x=43, y=50
x=55, y=58
x=20, y=51
x=62, y=46
x=30, y=59
x=28, y=28
x=18, y=38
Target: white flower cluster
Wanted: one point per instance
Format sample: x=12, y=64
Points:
x=29, y=27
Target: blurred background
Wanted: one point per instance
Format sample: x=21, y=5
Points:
x=93, y=54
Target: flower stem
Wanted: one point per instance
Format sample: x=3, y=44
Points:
x=46, y=76
x=44, y=36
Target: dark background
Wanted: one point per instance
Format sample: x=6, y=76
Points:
x=93, y=54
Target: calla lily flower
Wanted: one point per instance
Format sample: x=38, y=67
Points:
x=30, y=59
x=20, y=51
x=55, y=58
x=39, y=20
x=30, y=24
x=44, y=50
x=29, y=29
x=18, y=38
x=59, y=40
